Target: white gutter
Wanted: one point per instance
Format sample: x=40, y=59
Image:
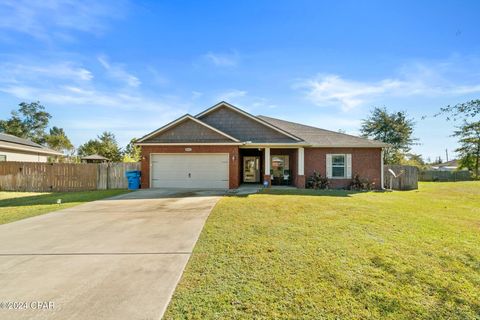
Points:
x=346, y=146
x=30, y=149
x=188, y=143
x=242, y=144
x=250, y=144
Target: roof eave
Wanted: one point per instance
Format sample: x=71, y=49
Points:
x=316, y=145
x=189, y=143
x=31, y=150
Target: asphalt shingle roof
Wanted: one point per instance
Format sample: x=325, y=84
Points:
x=12, y=139
x=9, y=141
x=94, y=157
x=321, y=137
x=451, y=163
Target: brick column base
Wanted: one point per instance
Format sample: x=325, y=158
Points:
x=268, y=179
x=300, y=182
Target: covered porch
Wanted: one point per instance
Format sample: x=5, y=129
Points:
x=277, y=165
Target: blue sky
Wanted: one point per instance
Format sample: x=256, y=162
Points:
x=130, y=67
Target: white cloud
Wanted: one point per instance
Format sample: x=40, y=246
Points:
x=157, y=77
x=123, y=128
x=334, y=123
x=115, y=123
x=66, y=83
x=231, y=95
x=196, y=94
x=327, y=89
x=12, y=72
x=89, y=96
x=223, y=59
x=118, y=72
x=241, y=98
x=416, y=79
x=56, y=19
x=261, y=103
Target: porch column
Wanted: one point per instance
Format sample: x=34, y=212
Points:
x=300, y=179
x=266, y=176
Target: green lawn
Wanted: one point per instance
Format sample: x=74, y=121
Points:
x=337, y=255
x=20, y=205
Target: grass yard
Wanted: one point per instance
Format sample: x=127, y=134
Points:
x=337, y=255
x=20, y=205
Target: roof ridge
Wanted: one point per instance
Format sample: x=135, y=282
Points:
x=248, y=114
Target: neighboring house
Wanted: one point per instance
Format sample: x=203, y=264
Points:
x=94, y=158
x=224, y=146
x=18, y=149
x=451, y=165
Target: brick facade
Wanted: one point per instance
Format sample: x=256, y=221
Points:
x=366, y=162
x=299, y=182
x=234, y=173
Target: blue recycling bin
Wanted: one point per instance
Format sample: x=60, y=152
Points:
x=133, y=178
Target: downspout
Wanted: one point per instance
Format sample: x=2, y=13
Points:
x=381, y=170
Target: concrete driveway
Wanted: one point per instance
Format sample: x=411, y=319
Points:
x=119, y=258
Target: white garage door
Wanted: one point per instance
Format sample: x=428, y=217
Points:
x=189, y=170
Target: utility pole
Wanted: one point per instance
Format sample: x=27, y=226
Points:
x=446, y=154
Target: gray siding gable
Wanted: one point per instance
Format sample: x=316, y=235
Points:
x=188, y=131
x=242, y=127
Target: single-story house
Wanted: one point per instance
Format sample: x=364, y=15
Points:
x=224, y=146
x=18, y=149
x=451, y=165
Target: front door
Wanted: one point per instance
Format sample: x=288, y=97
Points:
x=251, y=169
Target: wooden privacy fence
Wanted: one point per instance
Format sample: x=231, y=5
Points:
x=436, y=175
x=44, y=177
x=407, y=177
x=112, y=175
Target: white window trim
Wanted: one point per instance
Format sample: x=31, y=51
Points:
x=344, y=165
x=347, y=166
x=4, y=156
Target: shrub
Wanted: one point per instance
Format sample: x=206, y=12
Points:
x=316, y=181
x=360, y=184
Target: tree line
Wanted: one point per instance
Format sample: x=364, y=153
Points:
x=396, y=129
x=31, y=121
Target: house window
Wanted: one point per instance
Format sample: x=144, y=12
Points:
x=280, y=169
x=338, y=166
x=3, y=157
